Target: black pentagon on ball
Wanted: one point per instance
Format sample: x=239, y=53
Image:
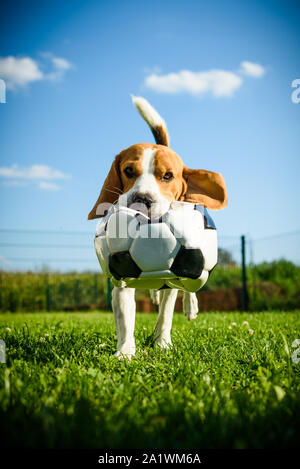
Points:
x=164, y=287
x=188, y=263
x=121, y=265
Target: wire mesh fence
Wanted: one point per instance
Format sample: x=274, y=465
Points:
x=58, y=270
x=38, y=250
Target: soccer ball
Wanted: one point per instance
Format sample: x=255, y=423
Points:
x=179, y=250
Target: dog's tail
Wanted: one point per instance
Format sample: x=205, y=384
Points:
x=154, y=120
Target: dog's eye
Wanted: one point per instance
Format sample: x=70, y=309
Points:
x=128, y=171
x=168, y=176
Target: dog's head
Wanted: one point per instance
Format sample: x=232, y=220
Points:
x=152, y=176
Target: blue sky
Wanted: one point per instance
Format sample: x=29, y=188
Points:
x=68, y=110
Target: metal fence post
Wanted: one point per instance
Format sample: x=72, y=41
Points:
x=95, y=289
x=108, y=297
x=48, y=293
x=244, y=276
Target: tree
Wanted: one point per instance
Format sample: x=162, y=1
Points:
x=225, y=257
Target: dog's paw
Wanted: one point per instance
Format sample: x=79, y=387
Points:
x=190, y=305
x=191, y=315
x=122, y=355
x=155, y=296
x=163, y=343
x=127, y=352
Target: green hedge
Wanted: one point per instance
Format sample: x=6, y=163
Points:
x=274, y=285
x=49, y=291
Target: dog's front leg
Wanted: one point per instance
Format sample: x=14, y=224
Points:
x=190, y=305
x=123, y=305
x=162, y=332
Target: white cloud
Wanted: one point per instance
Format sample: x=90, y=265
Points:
x=20, y=71
x=216, y=82
x=16, y=176
x=48, y=186
x=36, y=171
x=15, y=183
x=61, y=63
x=59, y=66
x=252, y=69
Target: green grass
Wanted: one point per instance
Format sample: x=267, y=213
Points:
x=218, y=388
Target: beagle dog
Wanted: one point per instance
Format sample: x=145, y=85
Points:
x=155, y=176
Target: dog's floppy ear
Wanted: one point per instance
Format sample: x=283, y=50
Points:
x=205, y=188
x=109, y=192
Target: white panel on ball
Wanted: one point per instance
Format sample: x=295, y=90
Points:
x=151, y=283
x=164, y=274
x=194, y=285
x=121, y=227
x=186, y=223
x=100, y=228
x=188, y=284
x=102, y=252
x=154, y=248
x=210, y=249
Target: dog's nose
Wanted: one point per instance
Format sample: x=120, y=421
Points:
x=140, y=198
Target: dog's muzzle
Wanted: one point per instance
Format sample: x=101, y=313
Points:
x=140, y=198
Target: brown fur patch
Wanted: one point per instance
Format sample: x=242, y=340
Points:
x=190, y=185
x=160, y=135
x=205, y=188
x=166, y=160
x=116, y=183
